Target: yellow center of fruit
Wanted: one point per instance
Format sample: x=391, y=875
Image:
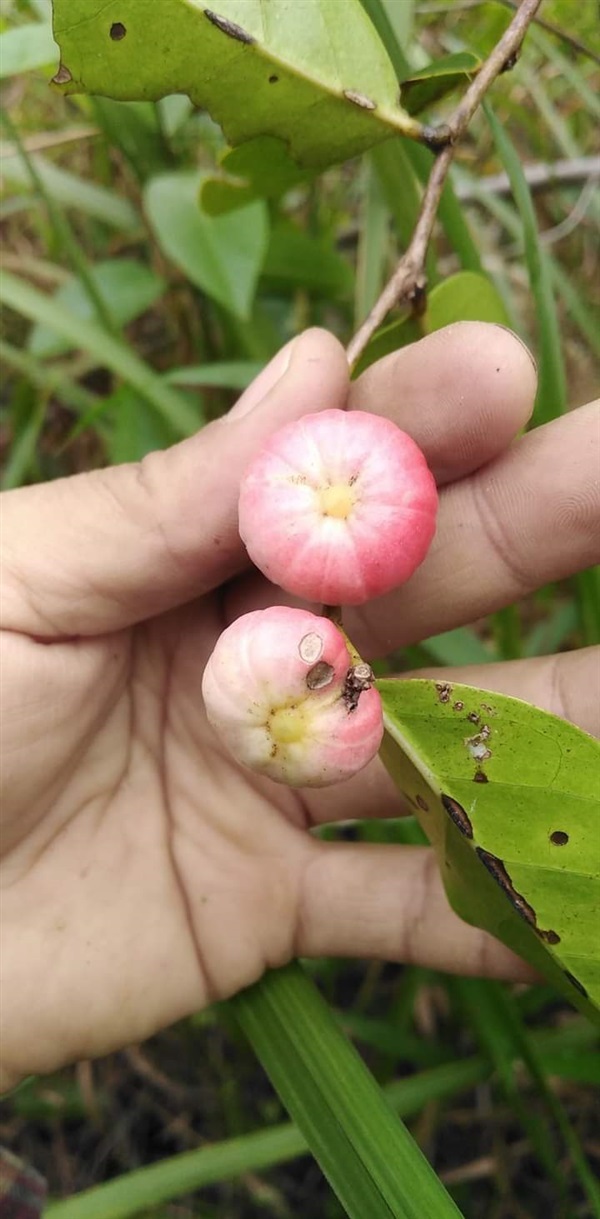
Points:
x=287, y=725
x=337, y=501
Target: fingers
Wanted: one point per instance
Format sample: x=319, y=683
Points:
x=100, y=551
x=529, y=517
x=462, y=393
x=388, y=902
x=568, y=685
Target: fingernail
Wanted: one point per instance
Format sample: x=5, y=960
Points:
x=263, y=383
x=518, y=338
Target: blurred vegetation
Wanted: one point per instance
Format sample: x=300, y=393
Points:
x=132, y=320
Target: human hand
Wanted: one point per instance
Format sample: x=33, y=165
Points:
x=144, y=875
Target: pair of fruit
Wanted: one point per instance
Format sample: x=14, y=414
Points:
x=337, y=508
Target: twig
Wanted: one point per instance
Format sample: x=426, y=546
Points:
x=556, y=30
x=408, y=281
x=539, y=176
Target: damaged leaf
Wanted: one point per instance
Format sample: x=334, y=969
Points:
x=509, y=797
x=313, y=75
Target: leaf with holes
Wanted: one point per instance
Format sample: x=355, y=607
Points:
x=509, y=797
x=314, y=76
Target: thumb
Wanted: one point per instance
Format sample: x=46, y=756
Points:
x=101, y=551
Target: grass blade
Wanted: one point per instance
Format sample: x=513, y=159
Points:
x=108, y=351
x=552, y=388
x=368, y=1157
x=563, y=1052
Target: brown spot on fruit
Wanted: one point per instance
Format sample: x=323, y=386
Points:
x=473, y=717
x=320, y=675
x=559, y=838
x=444, y=690
x=229, y=27
x=117, y=31
x=458, y=815
x=458, y=705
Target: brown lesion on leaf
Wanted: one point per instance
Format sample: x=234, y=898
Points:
x=444, y=691
x=62, y=77
x=478, y=745
x=458, y=705
x=576, y=983
x=117, y=31
x=497, y=869
x=480, y=777
x=359, y=99
x=559, y=838
x=229, y=27
x=458, y=815
x=473, y=717
x=422, y=804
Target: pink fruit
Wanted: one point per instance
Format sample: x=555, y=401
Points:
x=286, y=700
x=338, y=507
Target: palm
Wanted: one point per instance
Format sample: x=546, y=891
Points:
x=178, y=872
x=143, y=873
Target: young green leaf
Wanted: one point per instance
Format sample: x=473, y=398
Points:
x=128, y=287
x=464, y=297
x=508, y=796
x=222, y=255
x=25, y=47
x=428, y=85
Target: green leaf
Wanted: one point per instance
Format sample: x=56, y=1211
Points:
x=314, y=75
x=296, y=260
x=222, y=255
x=467, y=296
x=512, y=810
x=71, y=191
x=552, y=390
x=26, y=47
x=128, y=287
x=106, y=350
x=261, y=168
x=233, y=374
x=387, y=340
x=428, y=85
x=373, y=242
x=131, y=429
x=368, y=1157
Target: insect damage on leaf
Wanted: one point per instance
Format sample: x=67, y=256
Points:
x=359, y=99
x=229, y=27
x=497, y=869
x=458, y=815
x=576, y=983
